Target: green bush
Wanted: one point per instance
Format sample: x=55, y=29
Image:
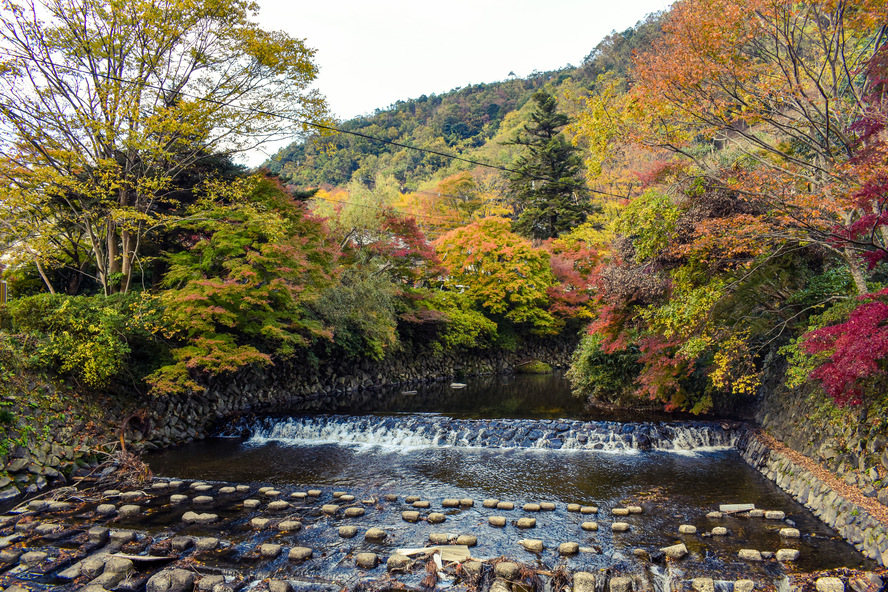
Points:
x=603, y=377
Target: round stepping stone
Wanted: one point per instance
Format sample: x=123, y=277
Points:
x=467, y=539
x=568, y=548
x=279, y=506
x=314, y=493
x=262, y=490
x=195, y=518
x=259, y=523
x=619, y=527
x=132, y=495
x=159, y=485
x=526, y=523
x=111, y=493
x=756, y=513
x=369, y=501
x=787, y=554
x=635, y=509
x=591, y=526
x=375, y=534
x=507, y=570
x=181, y=543
x=178, y=498
x=176, y=484
x=450, y=503
x=473, y=568
x=354, y=512
x=505, y=506
x=466, y=502
x=338, y=494
x=201, y=488
x=588, y=510
x=421, y=504
x=398, y=562
x=269, y=550
x=714, y=515
x=346, y=498
x=272, y=493
x=436, y=518
x=290, y=526
x=299, y=554
x=687, y=529
x=391, y=497
x=675, y=551
x=620, y=511
x=775, y=515
x=299, y=495
x=129, y=511
x=547, y=506
x=573, y=507
x=439, y=538
x=490, y=503
x=532, y=545
x=252, y=504
x=206, y=544
x=367, y=560
x=242, y=488
x=227, y=490
x=750, y=555
x=329, y=509
x=496, y=521
x=105, y=509
x=410, y=516
x=790, y=533
x=719, y=531
x=348, y=532
x=531, y=507
x=411, y=499
x=202, y=499
x=59, y=506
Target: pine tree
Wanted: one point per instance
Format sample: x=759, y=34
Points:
x=548, y=187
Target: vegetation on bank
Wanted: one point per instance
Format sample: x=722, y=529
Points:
x=705, y=194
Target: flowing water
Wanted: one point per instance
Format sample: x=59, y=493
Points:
x=521, y=439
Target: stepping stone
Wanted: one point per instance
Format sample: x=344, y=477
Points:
x=496, y=521
x=573, y=507
x=505, y=506
x=450, y=503
x=118, y=565
x=439, y=538
x=391, y=497
x=160, y=485
x=619, y=527
x=410, y=516
x=436, y=518
x=195, y=518
x=181, y=543
x=375, y=534
x=369, y=501
x=338, y=494
x=111, y=493
x=411, y=499
x=259, y=523
x=547, y=506
x=279, y=506
x=533, y=545
x=262, y=490
x=756, y=513
x=272, y=493
x=490, y=503
x=279, y=586
x=719, y=531
x=201, y=488
x=588, y=510
x=299, y=495
x=251, y=504
x=130, y=496
x=98, y=535
x=314, y=493
x=568, y=548
x=227, y=490
x=775, y=515
x=202, y=499
x=787, y=554
x=32, y=558
x=829, y=585
x=620, y=584
x=347, y=498
x=367, y=560
x=744, y=586
x=242, y=488
x=348, y=532
x=176, y=484
x=635, y=509
x=421, y=504
x=507, y=570
x=269, y=550
x=467, y=503
x=473, y=568
x=703, y=585
x=354, y=512
x=178, y=498
x=48, y=528
x=526, y=523
x=531, y=507
x=122, y=537
x=37, y=505
x=687, y=529
x=714, y=515
x=398, y=562
x=750, y=555
x=59, y=506
x=206, y=544
x=290, y=526
x=299, y=554
x=467, y=539
x=329, y=509
x=790, y=533
x=620, y=511
x=591, y=526
x=675, y=551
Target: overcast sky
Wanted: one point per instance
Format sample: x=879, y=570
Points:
x=373, y=53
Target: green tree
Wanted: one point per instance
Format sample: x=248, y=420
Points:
x=548, y=185
x=105, y=104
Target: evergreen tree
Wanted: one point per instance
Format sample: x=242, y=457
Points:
x=548, y=186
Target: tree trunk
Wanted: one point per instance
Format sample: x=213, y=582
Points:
x=853, y=263
x=112, y=255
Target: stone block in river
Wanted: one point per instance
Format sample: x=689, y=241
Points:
x=531, y=507
x=195, y=518
x=269, y=550
x=500, y=585
x=118, y=565
x=620, y=527
x=279, y=506
x=532, y=545
x=568, y=548
x=348, y=532
x=744, y=586
x=590, y=526
x=129, y=496
x=620, y=584
x=48, y=528
x=756, y=513
x=93, y=565
x=33, y=558
x=37, y=505
x=467, y=539
x=170, y=579
x=450, y=503
x=490, y=503
x=251, y=504
x=675, y=551
x=242, y=488
x=390, y=497
x=228, y=490
x=703, y=585
x=208, y=583
x=314, y=493
x=59, y=506
x=829, y=585
x=181, y=543
x=750, y=554
x=473, y=568
x=279, y=586
x=588, y=510
x=719, y=531
x=506, y=569
x=496, y=521
x=714, y=515
x=436, y=518
x=367, y=560
x=790, y=533
x=411, y=499
x=206, y=544
x=505, y=506
x=573, y=507
x=787, y=554
x=398, y=562
x=347, y=498
x=290, y=526
x=299, y=495
x=775, y=515
x=111, y=493
x=329, y=509
x=299, y=554
x=259, y=523
x=422, y=504
x=122, y=537
x=178, y=498
x=202, y=499
x=375, y=534
x=635, y=509
x=687, y=529
x=98, y=535
x=583, y=581
x=410, y=516
x=467, y=502
x=620, y=511
x=547, y=506
x=526, y=523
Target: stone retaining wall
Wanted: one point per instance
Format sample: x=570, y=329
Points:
x=851, y=521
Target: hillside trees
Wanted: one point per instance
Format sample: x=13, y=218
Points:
x=104, y=106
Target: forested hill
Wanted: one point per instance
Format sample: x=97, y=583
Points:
x=472, y=121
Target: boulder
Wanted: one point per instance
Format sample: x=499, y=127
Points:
x=687, y=529
x=533, y=545
x=269, y=550
x=507, y=570
x=367, y=560
x=620, y=584
x=787, y=554
x=568, y=548
x=410, y=516
x=675, y=551
x=750, y=555
x=398, y=562
x=375, y=534
x=348, y=532
x=299, y=554
x=436, y=518
x=583, y=581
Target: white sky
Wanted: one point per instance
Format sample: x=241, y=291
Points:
x=373, y=53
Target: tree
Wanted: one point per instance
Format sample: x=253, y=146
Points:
x=104, y=105
x=547, y=186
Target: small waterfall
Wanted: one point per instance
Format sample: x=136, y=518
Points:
x=425, y=430
x=660, y=578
